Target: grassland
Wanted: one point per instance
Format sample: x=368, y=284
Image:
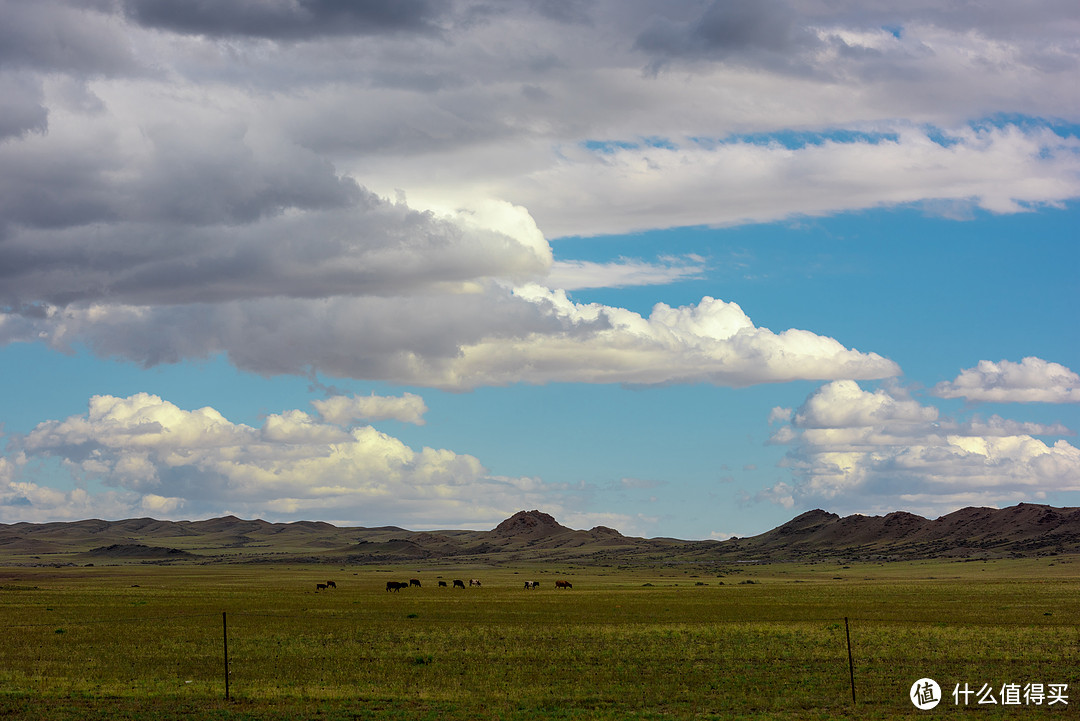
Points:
x=146, y=641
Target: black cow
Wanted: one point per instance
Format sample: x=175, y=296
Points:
x=458, y=583
x=395, y=586
x=442, y=584
x=320, y=587
x=414, y=582
x=331, y=584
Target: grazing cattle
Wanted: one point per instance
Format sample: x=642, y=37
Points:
x=395, y=586
x=331, y=584
x=320, y=587
x=532, y=584
x=442, y=584
x=474, y=581
x=563, y=584
x=414, y=582
x=458, y=583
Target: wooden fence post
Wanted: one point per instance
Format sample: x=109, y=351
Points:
x=850, y=661
x=225, y=640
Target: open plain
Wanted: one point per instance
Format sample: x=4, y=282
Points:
x=144, y=640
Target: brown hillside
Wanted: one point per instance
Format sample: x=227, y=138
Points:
x=1025, y=530
x=1022, y=530
x=136, y=550
x=533, y=525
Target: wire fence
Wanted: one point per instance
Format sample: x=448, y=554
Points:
x=644, y=663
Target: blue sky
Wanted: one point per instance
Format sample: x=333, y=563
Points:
x=683, y=269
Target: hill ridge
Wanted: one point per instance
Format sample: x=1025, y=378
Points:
x=1023, y=530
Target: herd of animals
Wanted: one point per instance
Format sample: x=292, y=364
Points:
x=458, y=583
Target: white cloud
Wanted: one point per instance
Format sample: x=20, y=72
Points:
x=860, y=451
x=493, y=337
x=159, y=506
x=1032, y=380
x=1003, y=170
x=32, y=503
x=341, y=410
x=576, y=274
x=712, y=342
x=779, y=414
x=156, y=458
x=843, y=404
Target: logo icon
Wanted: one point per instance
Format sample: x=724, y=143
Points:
x=925, y=694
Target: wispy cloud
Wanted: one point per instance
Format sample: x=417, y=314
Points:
x=1000, y=169
x=624, y=273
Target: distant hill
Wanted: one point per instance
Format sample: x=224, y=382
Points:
x=135, y=550
x=1017, y=531
x=1025, y=530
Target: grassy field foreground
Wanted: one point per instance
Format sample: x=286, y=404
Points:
x=146, y=642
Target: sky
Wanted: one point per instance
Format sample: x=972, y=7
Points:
x=680, y=268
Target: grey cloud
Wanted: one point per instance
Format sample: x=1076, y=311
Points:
x=56, y=189
x=287, y=19
x=786, y=35
x=1015, y=21
x=57, y=36
x=1038, y=18
x=565, y=11
x=198, y=222
x=373, y=247
x=763, y=31
x=191, y=180
x=213, y=175
x=22, y=110
x=407, y=339
x=393, y=123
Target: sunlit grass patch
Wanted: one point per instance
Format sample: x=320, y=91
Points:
x=610, y=648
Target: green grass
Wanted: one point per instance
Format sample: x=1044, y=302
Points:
x=145, y=642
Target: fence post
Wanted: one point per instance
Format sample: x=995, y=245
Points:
x=850, y=661
x=225, y=640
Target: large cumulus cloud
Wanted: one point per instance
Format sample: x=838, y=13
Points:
x=877, y=451
x=154, y=457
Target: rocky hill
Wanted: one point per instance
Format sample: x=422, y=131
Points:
x=1024, y=530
